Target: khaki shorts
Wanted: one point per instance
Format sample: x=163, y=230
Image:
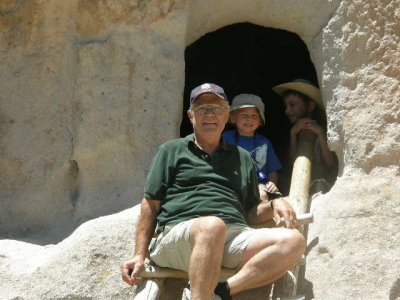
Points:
x=172, y=248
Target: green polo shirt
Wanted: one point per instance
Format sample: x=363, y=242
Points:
x=191, y=183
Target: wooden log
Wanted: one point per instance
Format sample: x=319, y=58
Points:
x=301, y=175
x=300, y=200
x=160, y=272
x=150, y=289
x=301, y=220
x=151, y=272
x=297, y=297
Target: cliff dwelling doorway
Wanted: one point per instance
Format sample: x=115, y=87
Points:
x=247, y=58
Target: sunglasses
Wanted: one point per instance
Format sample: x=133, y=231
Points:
x=214, y=109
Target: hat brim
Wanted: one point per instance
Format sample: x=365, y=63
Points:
x=236, y=107
x=208, y=92
x=242, y=106
x=307, y=89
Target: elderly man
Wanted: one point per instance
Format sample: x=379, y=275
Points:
x=202, y=193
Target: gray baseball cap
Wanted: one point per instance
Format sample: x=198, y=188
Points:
x=248, y=100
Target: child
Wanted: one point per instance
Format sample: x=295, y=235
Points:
x=247, y=114
x=304, y=110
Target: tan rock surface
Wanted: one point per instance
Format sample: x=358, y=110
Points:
x=89, y=89
x=85, y=265
x=357, y=227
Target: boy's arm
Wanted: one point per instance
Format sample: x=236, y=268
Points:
x=273, y=177
x=328, y=157
x=272, y=183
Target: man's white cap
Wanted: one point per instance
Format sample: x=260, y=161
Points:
x=248, y=100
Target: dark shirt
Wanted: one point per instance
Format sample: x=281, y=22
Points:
x=191, y=183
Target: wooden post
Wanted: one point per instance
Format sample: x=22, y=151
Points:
x=150, y=289
x=300, y=201
x=301, y=175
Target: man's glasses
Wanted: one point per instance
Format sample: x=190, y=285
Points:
x=214, y=109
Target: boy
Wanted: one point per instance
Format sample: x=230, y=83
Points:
x=304, y=110
x=247, y=114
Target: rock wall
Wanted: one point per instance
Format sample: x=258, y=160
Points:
x=82, y=83
x=89, y=89
x=356, y=233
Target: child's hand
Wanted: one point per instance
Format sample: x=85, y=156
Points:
x=307, y=124
x=271, y=187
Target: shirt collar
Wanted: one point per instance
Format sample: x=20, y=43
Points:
x=223, y=144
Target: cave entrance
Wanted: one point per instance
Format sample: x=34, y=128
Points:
x=247, y=58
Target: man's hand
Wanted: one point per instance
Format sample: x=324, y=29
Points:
x=130, y=269
x=284, y=215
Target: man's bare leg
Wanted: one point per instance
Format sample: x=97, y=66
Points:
x=207, y=238
x=267, y=258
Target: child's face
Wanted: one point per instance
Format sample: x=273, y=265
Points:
x=247, y=120
x=295, y=108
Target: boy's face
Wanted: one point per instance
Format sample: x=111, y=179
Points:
x=247, y=120
x=296, y=108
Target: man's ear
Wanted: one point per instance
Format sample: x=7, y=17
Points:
x=232, y=118
x=190, y=115
x=311, y=106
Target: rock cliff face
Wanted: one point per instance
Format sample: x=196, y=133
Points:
x=89, y=89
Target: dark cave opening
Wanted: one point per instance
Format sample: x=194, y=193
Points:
x=247, y=58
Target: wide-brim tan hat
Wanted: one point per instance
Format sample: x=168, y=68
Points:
x=303, y=86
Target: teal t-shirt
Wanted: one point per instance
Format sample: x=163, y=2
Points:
x=191, y=183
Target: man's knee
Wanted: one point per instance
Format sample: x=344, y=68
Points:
x=300, y=241
x=208, y=228
x=294, y=243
